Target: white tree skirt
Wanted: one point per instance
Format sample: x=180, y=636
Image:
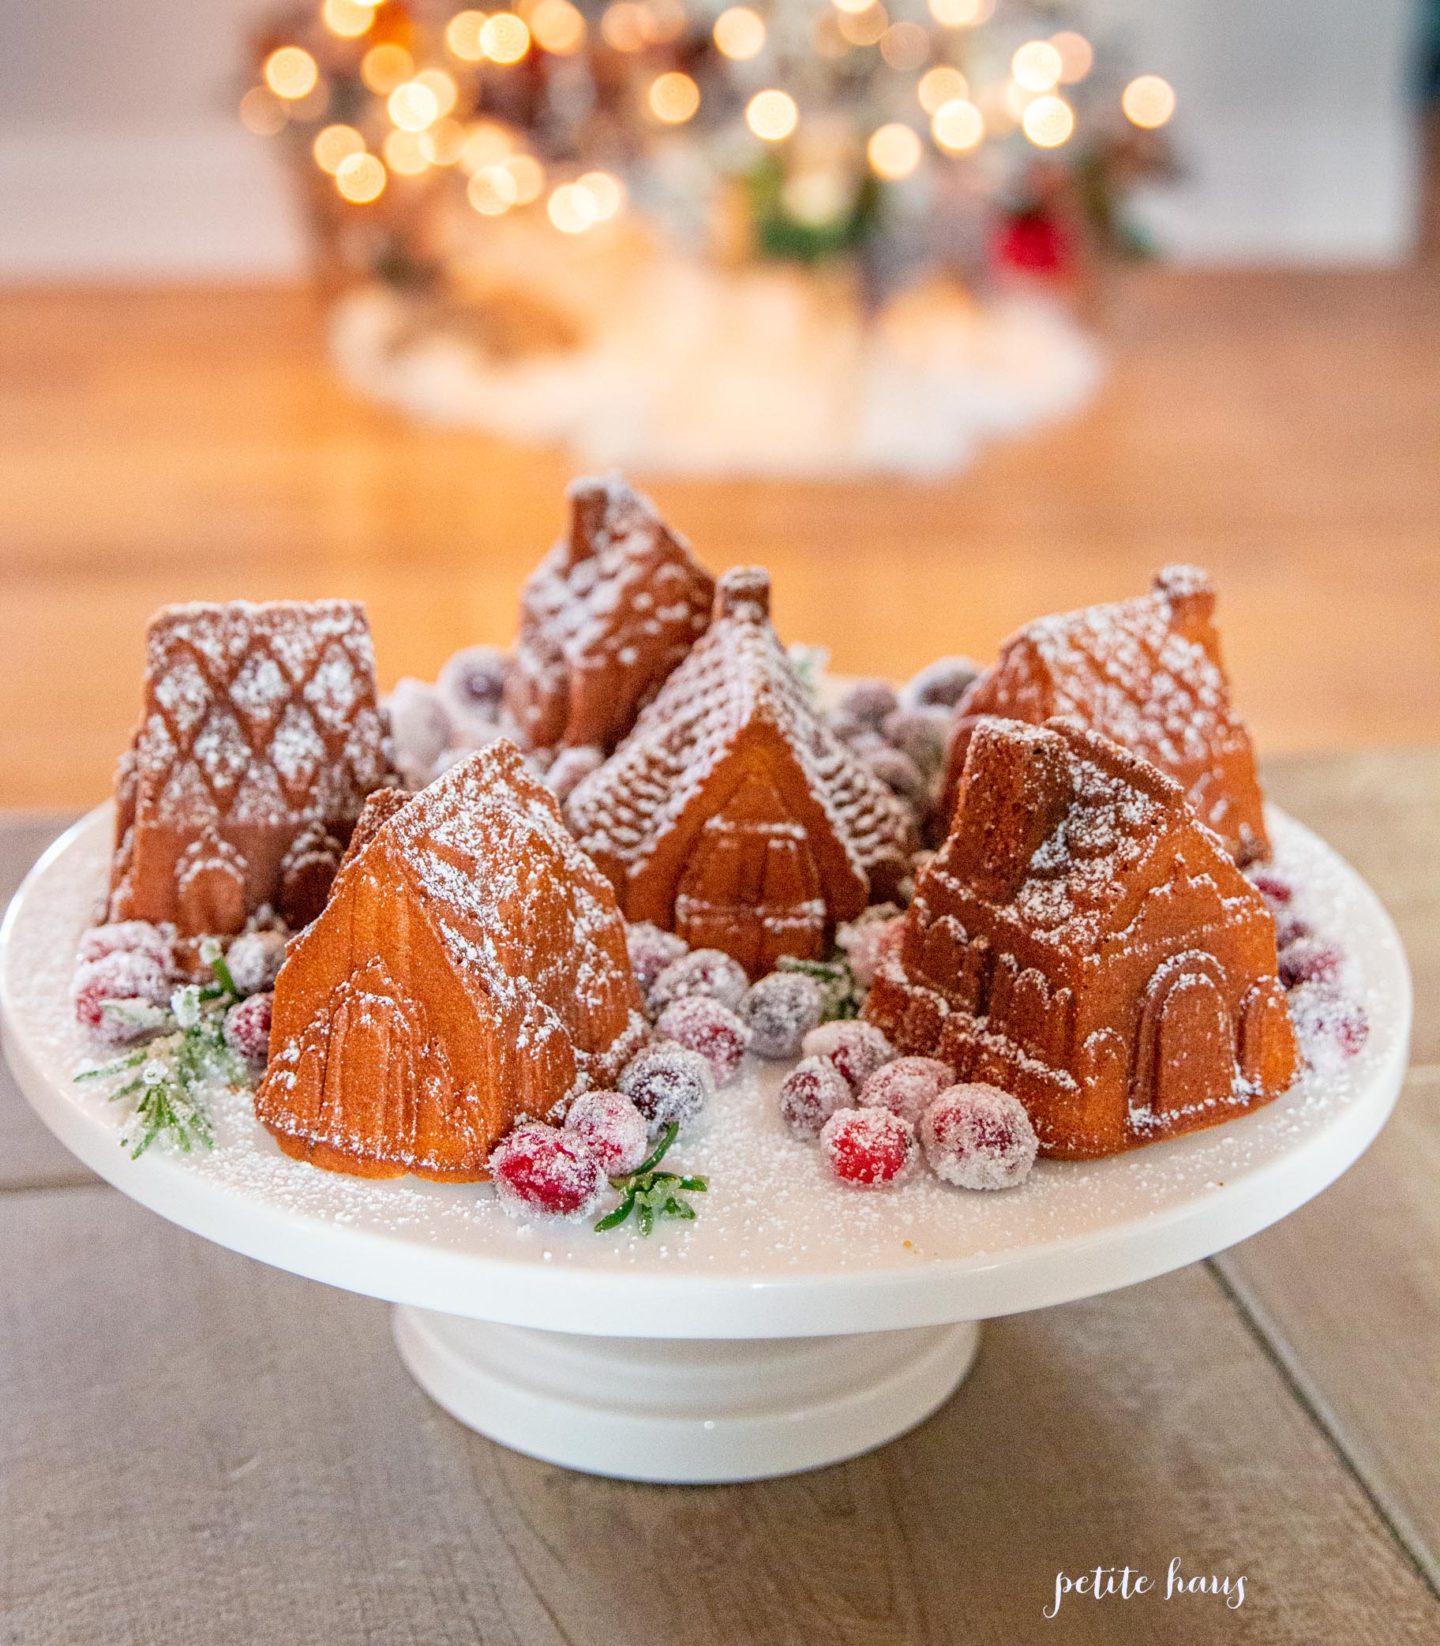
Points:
x=756, y=371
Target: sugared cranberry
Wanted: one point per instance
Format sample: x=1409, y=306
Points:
x=126, y=936
x=780, y=1010
x=868, y=1148
x=420, y=729
x=1272, y=888
x=247, y=1029
x=943, y=682
x=899, y=773
x=254, y=960
x=870, y=702
x=612, y=1128
x=978, y=1137
x=707, y=1027
x=812, y=1091
x=920, y=733
x=867, y=941
x=651, y=951
x=707, y=972
x=856, y=1049
x=129, y=975
x=1329, y=1026
x=667, y=1083
x=1308, y=960
x=1290, y=928
x=907, y=1087
x=541, y=1171
x=473, y=681
x=571, y=767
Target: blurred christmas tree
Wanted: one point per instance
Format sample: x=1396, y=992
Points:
x=883, y=143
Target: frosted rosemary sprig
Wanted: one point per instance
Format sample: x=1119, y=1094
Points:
x=839, y=991
x=172, y=1069
x=651, y=1194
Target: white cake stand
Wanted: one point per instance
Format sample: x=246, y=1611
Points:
x=795, y=1323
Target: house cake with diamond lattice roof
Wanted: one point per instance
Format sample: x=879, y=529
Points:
x=259, y=739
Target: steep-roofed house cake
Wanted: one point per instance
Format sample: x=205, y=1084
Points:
x=606, y=616
x=469, y=968
x=259, y=740
x=1147, y=673
x=1084, y=941
x=732, y=814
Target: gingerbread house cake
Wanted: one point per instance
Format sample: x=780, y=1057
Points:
x=259, y=740
x=1084, y=941
x=1146, y=673
x=608, y=614
x=732, y=814
x=470, y=968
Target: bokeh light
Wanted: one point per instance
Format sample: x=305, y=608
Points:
x=607, y=193
x=262, y=112
x=347, y=18
x=558, y=27
x=1036, y=65
x=1048, y=122
x=961, y=14
x=386, y=66
x=504, y=37
x=360, y=179
x=772, y=115
x=905, y=46
x=940, y=85
x=412, y=106
x=1148, y=102
x=571, y=209
x=462, y=36
x=958, y=126
x=893, y=152
x=528, y=176
x=334, y=144
x=674, y=98
x=290, y=72
x=1077, y=56
x=739, y=34
x=405, y=154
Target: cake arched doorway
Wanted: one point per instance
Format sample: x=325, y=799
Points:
x=771, y=900
x=1186, y=1049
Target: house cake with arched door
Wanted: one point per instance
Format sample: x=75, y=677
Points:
x=470, y=968
x=1084, y=941
x=259, y=739
x=732, y=814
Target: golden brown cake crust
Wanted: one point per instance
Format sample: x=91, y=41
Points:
x=1147, y=674
x=1084, y=941
x=259, y=740
x=469, y=968
x=610, y=611
x=732, y=815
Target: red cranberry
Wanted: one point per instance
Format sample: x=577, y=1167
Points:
x=122, y=936
x=868, y=1148
x=541, y=1171
x=1308, y=960
x=122, y=975
x=703, y=971
x=247, y=1029
x=979, y=1137
x=870, y=702
x=899, y=773
x=254, y=960
x=868, y=942
x=810, y=1094
x=651, y=951
x=473, y=681
x=705, y=1026
x=612, y=1128
x=1290, y=928
x=1272, y=888
x=943, y=682
x=907, y=1087
x=667, y=1083
x=856, y=1049
x=780, y=1010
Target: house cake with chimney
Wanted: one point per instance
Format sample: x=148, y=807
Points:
x=609, y=612
x=1147, y=673
x=260, y=737
x=732, y=814
x=1084, y=941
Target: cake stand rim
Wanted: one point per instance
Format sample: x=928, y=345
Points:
x=688, y=1303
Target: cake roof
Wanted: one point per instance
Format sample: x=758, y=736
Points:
x=259, y=714
x=737, y=678
x=1054, y=827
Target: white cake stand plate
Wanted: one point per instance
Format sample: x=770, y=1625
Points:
x=795, y=1322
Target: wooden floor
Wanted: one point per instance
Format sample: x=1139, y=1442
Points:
x=1282, y=429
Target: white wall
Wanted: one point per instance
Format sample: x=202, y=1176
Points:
x=120, y=153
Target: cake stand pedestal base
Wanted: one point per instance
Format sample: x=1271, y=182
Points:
x=683, y=1410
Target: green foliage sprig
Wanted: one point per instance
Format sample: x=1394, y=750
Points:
x=651, y=1194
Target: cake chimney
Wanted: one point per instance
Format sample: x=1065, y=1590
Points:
x=589, y=505
x=1015, y=789
x=1190, y=595
x=744, y=594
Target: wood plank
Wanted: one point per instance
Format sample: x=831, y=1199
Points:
x=198, y=1449
x=193, y=443
x=1347, y=1293
x=29, y=1156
